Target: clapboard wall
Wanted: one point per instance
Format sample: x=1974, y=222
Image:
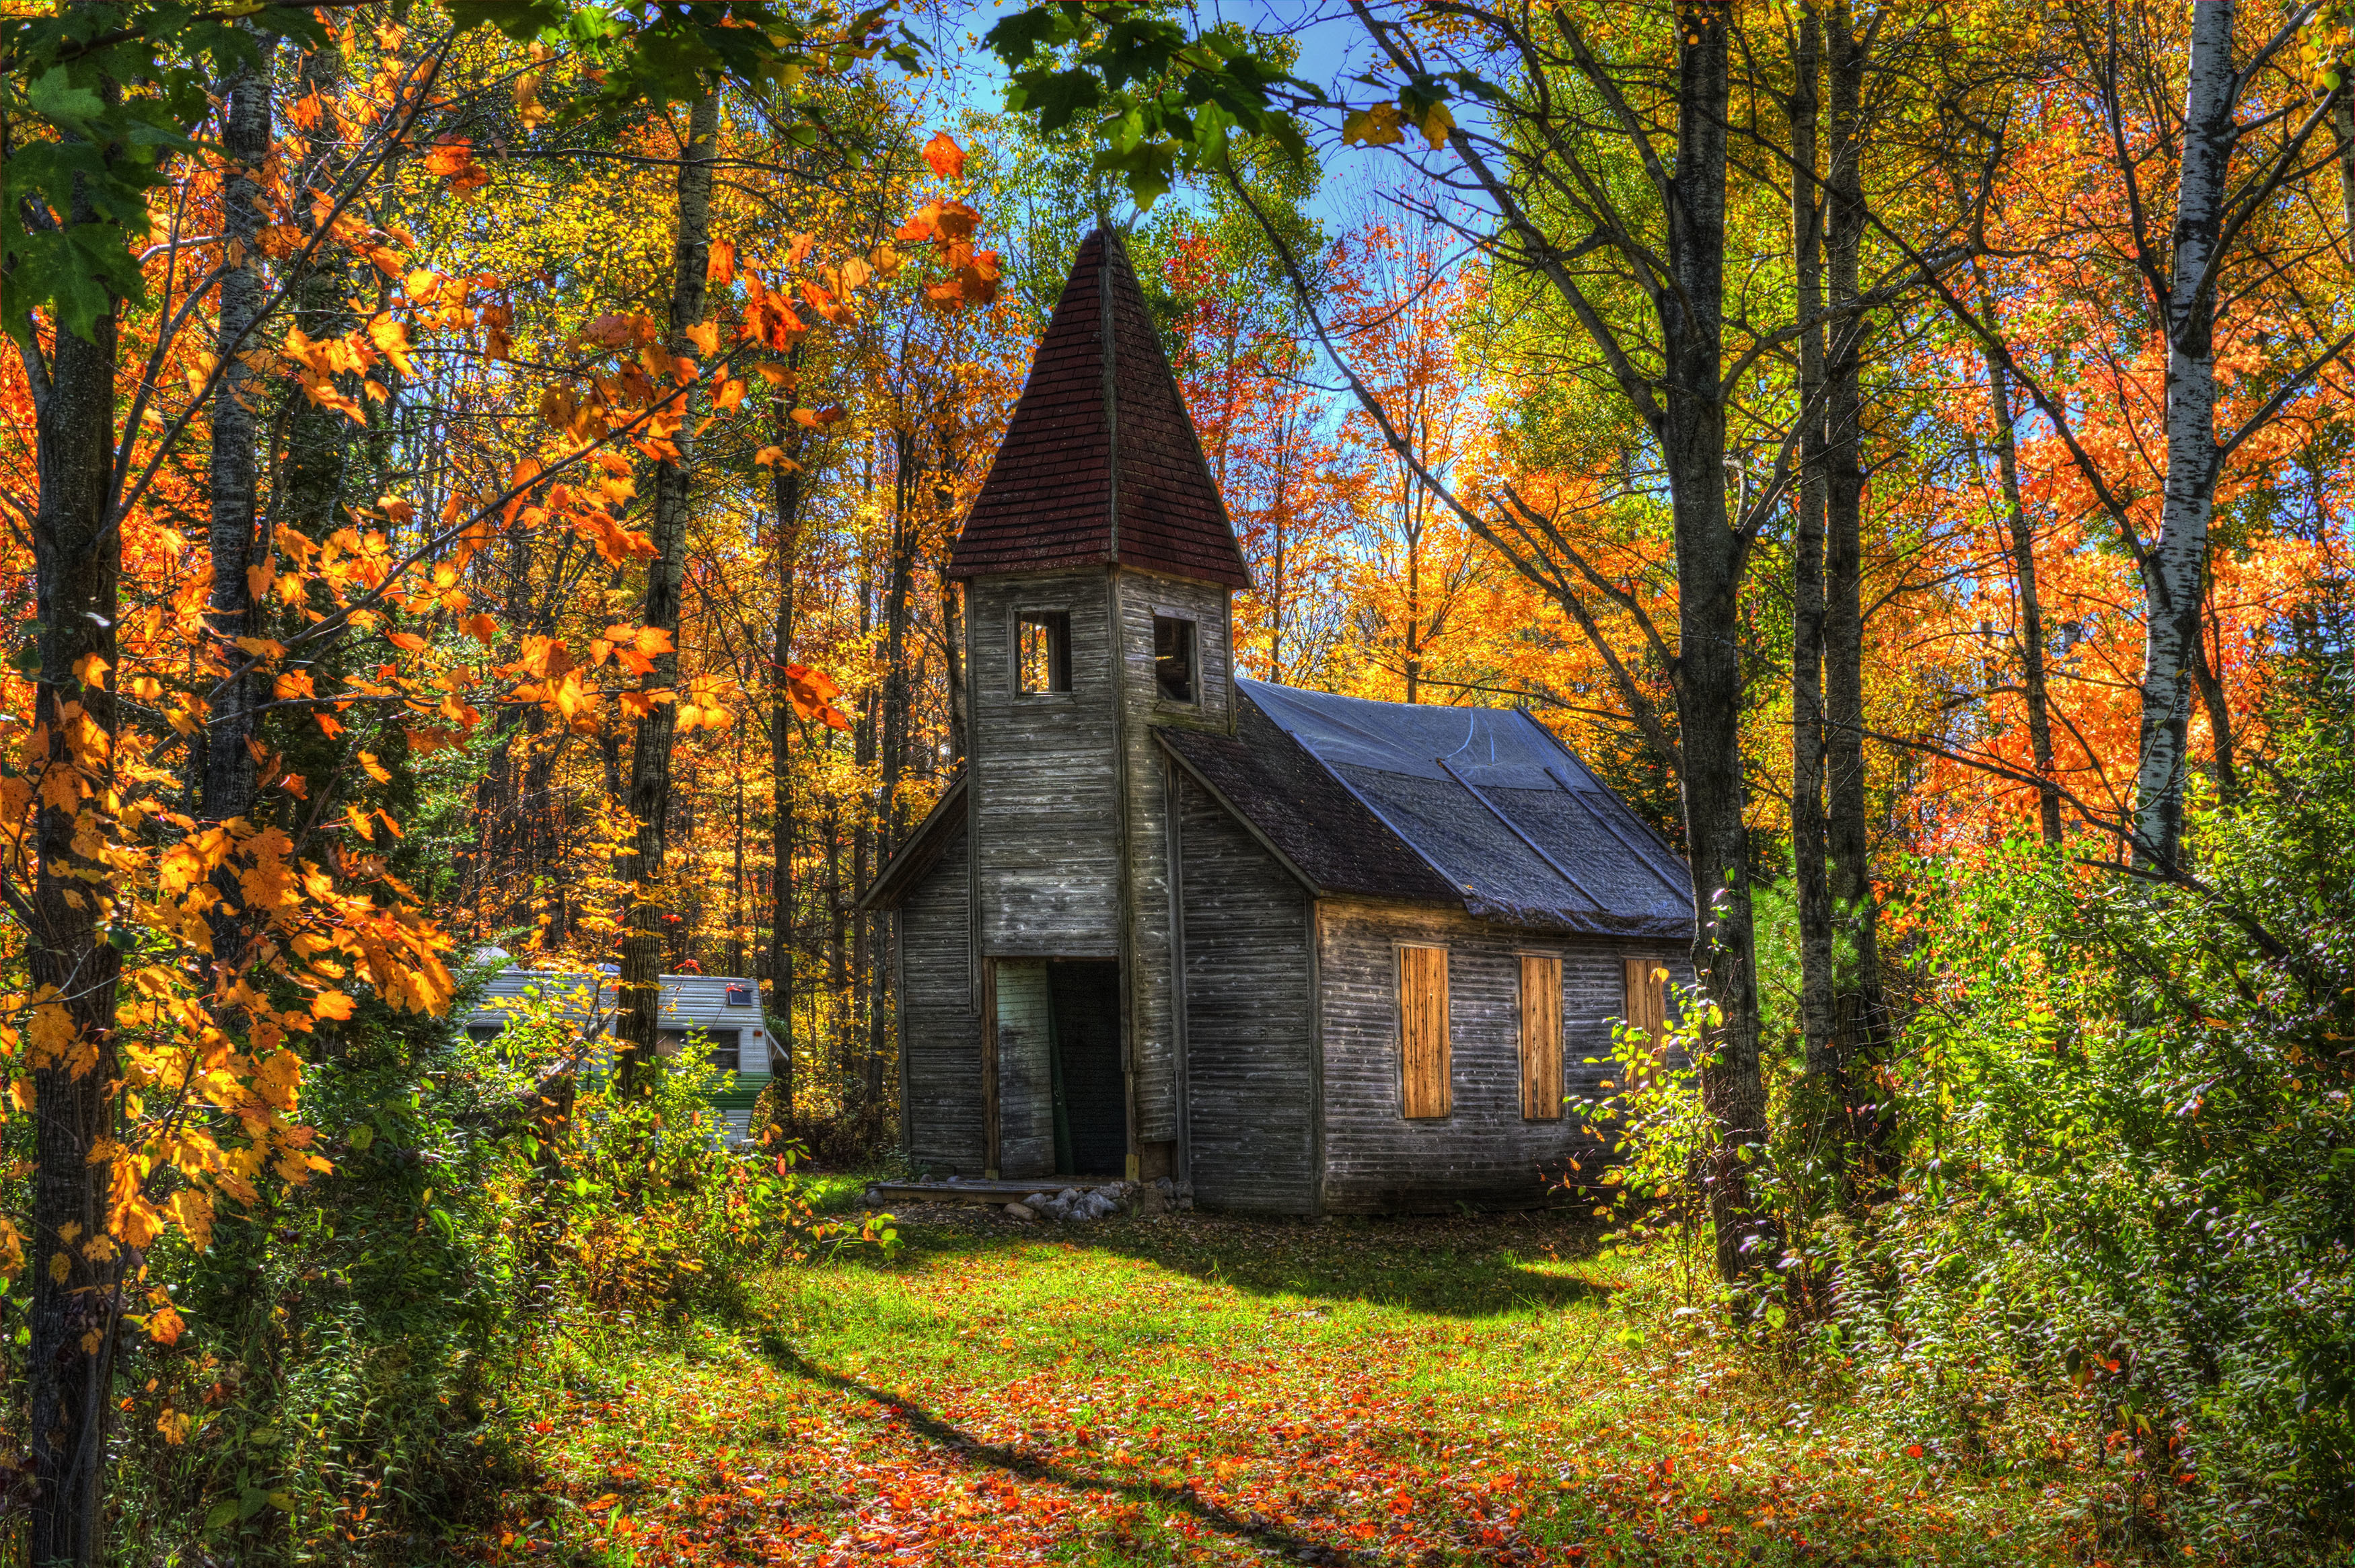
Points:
x=940, y=1022
x=1484, y=1151
x=1144, y=597
x=1046, y=806
x=1251, y=1085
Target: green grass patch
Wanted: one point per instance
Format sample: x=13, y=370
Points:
x=1201, y=1389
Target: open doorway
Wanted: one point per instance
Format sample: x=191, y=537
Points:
x=1090, y=1093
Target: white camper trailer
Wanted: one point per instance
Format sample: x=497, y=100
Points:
x=727, y=1008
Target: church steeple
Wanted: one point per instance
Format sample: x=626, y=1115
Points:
x=1101, y=464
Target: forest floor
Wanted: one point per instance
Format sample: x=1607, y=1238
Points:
x=1191, y=1388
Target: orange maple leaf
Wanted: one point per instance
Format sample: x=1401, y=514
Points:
x=944, y=156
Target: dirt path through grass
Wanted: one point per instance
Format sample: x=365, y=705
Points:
x=1203, y=1390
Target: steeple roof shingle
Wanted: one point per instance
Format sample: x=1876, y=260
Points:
x=1100, y=463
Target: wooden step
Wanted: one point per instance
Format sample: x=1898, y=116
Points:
x=996, y=1193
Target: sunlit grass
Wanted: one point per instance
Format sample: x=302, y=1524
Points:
x=1199, y=1388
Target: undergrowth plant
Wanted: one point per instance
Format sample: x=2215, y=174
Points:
x=2120, y=1250
x=353, y=1346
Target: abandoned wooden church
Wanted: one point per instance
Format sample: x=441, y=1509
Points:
x=1310, y=953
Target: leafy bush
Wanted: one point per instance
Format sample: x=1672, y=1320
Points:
x=2130, y=1187
x=1659, y=1137
x=335, y=1383
x=352, y=1342
x=854, y=1136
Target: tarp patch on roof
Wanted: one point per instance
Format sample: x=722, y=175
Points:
x=1522, y=831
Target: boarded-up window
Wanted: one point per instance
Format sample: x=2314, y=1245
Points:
x=1423, y=1031
x=1540, y=1037
x=1647, y=999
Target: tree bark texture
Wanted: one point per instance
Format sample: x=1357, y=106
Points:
x=233, y=477
x=1857, y=1004
x=76, y=1276
x=2175, y=569
x=787, y=494
x=1710, y=556
x=649, y=796
x=2001, y=415
x=1809, y=874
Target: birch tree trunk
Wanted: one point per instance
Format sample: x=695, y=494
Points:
x=2175, y=569
x=649, y=796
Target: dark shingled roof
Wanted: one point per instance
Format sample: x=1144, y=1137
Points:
x=1100, y=463
x=1481, y=808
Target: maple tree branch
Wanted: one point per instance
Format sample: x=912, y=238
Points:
x=1640, y=390
x=128, y=492
x=2283, y=394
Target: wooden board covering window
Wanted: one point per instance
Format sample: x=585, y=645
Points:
x=1647, y=999
x=1423, y=1031
x=1540, y=1037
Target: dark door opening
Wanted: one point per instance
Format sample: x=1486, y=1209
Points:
x=1091, y=1092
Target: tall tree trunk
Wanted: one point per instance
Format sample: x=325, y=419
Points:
x=1857, y=1009
x=951, y=594
x=232, y=476
x=952, y=606
x=1710, y=555
x=788, y=491
x=1810, y=874
x=649, y=796
x=2174, y=571
x=76, y=1279
x=736, y=898
x=898, y=599
x=2032, y=606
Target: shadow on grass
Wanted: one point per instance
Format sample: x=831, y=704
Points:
x=1480, y=1267
x=1015, y=1462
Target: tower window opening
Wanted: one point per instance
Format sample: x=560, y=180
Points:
x=1043, y=653
x=1173, y=659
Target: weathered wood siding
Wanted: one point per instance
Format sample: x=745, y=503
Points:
x=1251, y=1085
x=1044, y=786
x=1152, y=1004
x=1026, y=1096
x=940, y=1019
x=1483, y=1151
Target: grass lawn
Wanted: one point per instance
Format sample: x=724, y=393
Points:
x=1199, y=1388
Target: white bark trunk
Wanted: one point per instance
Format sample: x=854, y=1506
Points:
x=2173, y=571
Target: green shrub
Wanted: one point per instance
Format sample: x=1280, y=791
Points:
x=2129, y=1191
x=339, y=1391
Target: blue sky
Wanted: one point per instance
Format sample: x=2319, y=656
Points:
x=1332, y=47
